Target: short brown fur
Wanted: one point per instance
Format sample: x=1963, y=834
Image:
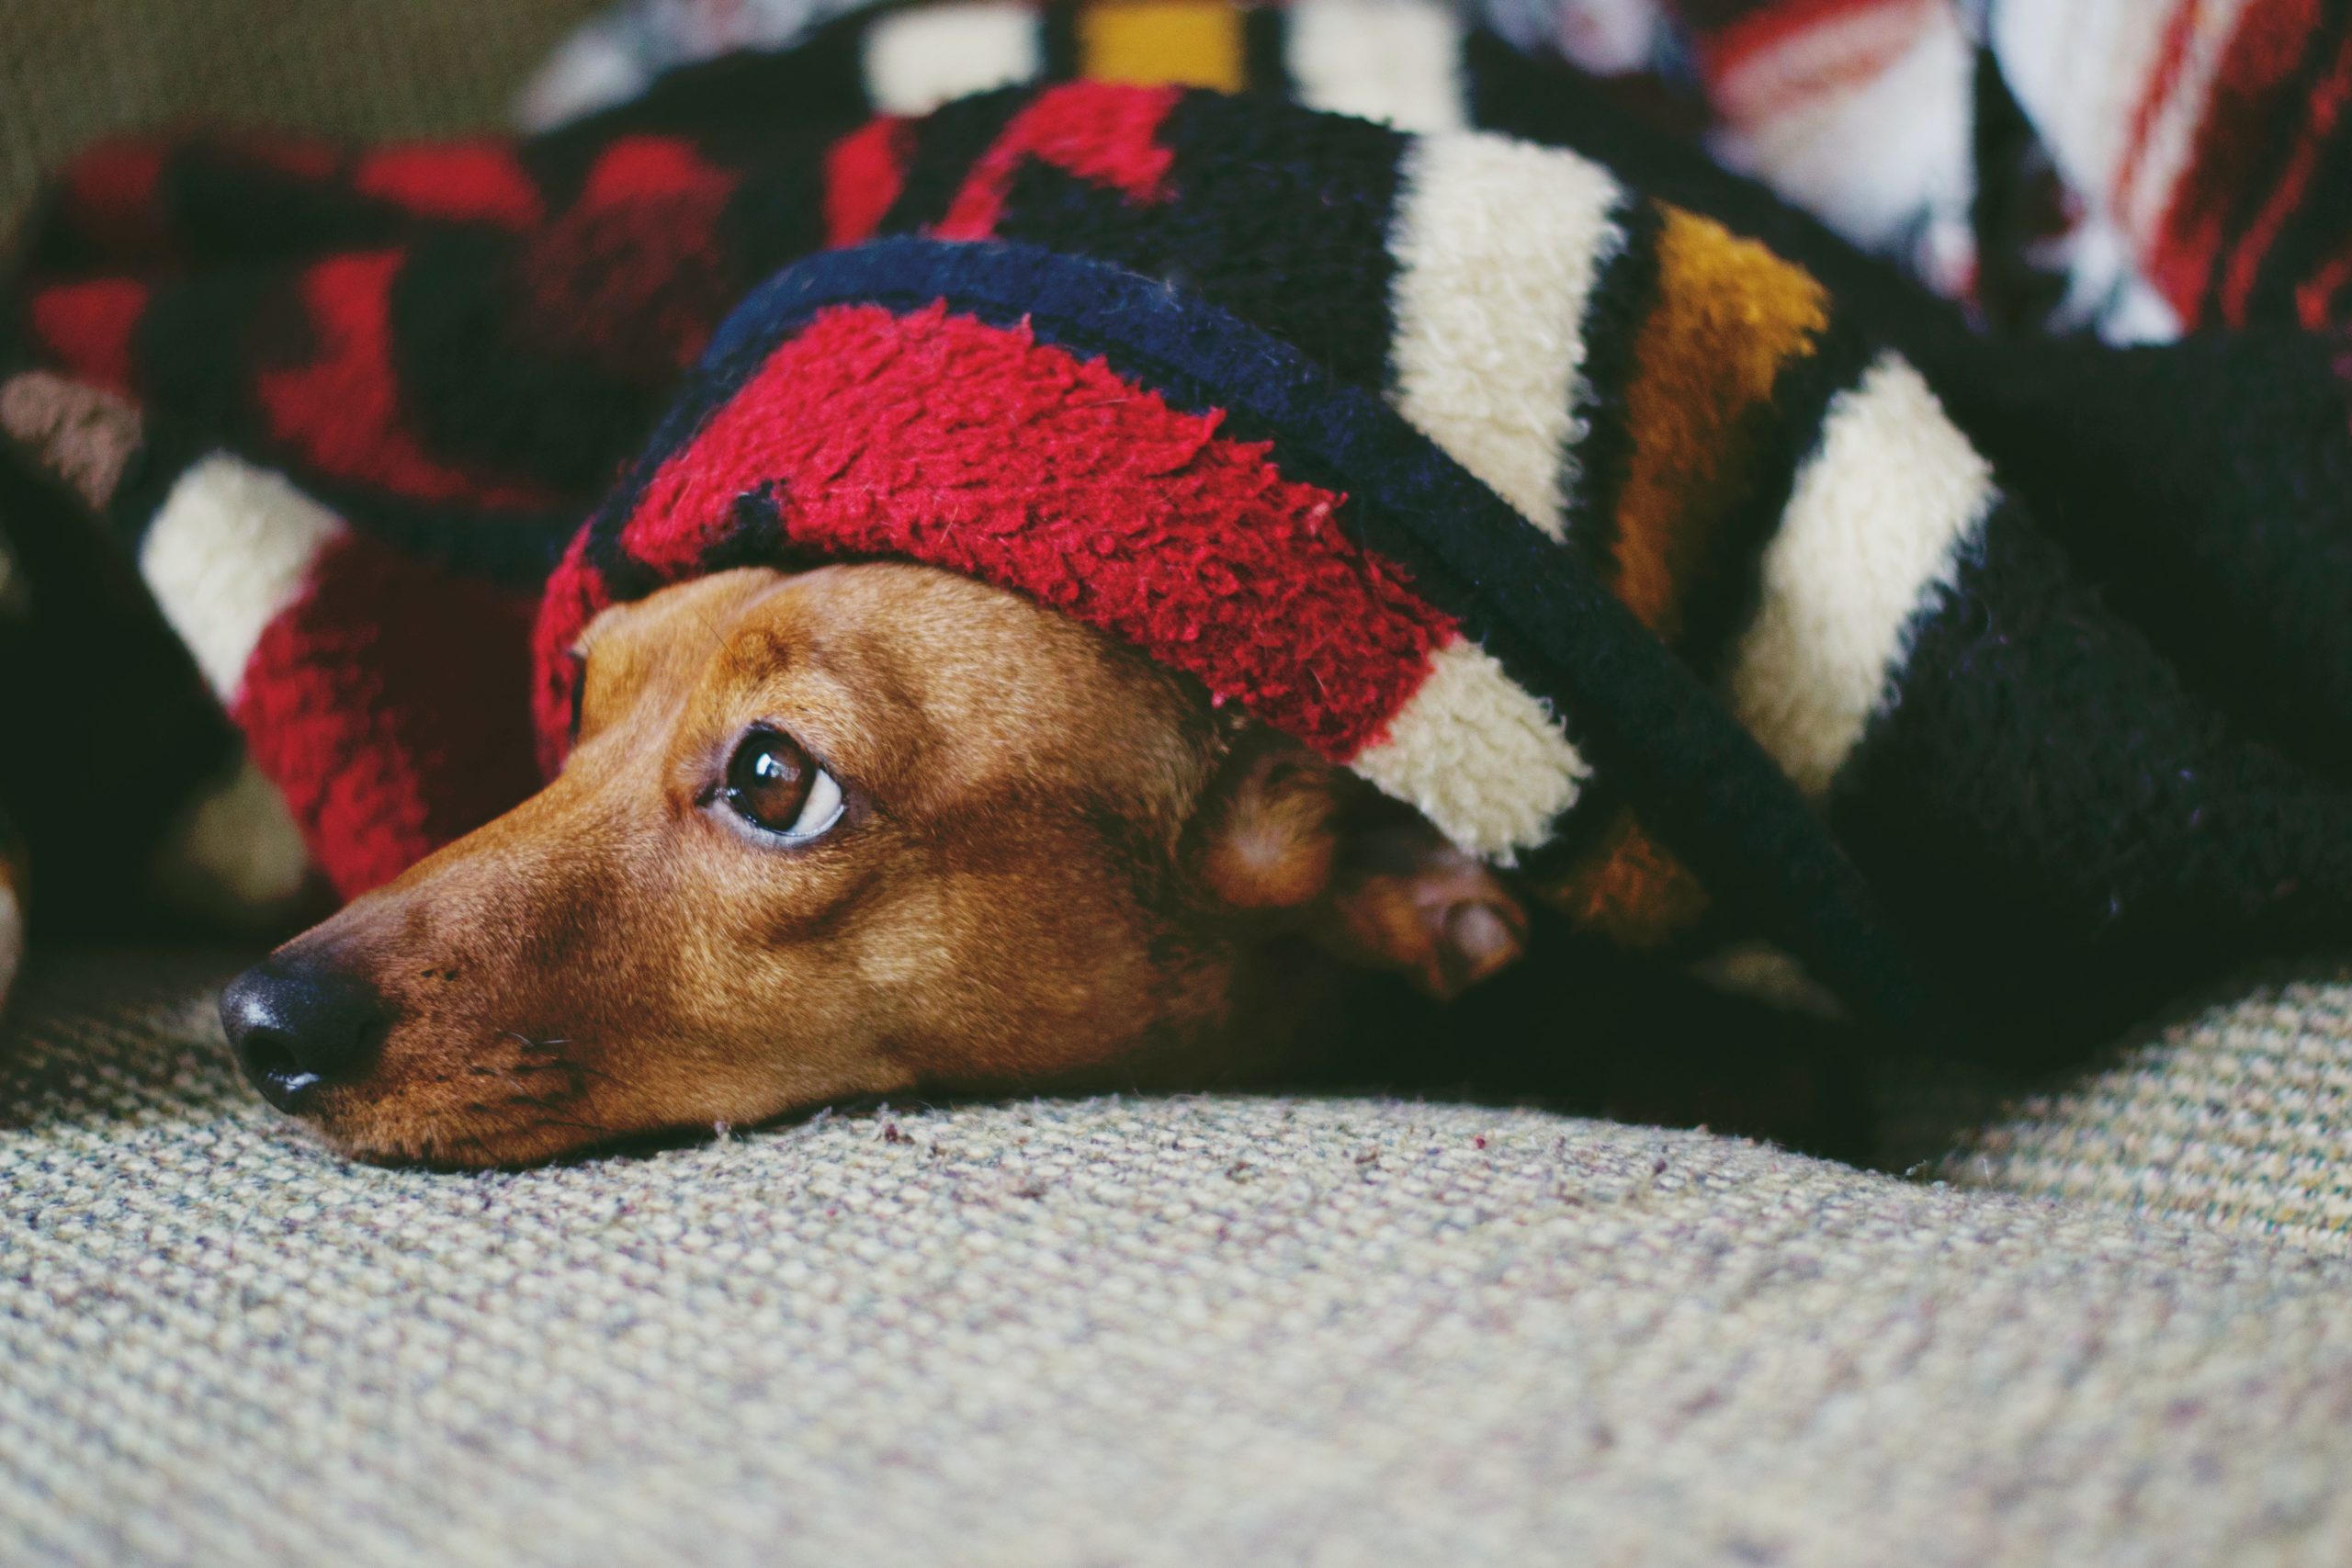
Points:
x=1058, y=865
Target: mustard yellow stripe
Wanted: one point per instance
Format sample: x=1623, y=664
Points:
x=1729, y=315
x=1192, y=44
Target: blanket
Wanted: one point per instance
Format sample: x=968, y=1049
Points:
x=1757, y=611
x=2137, y=168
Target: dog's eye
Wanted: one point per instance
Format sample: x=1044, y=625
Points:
x=778, y=788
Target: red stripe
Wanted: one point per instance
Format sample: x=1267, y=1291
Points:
x=2321, y=117
x=651, y=168
x=633, y=278
x=1107, y=132
x=459, y=183
x=1726, y=48
x=88, y=328
x=381, y=704
x=937, y=438
x=865, y=171
x=2315, y=300
x=341, y=412
x=2170, y=60
x=111, y=198
x=2246, y=110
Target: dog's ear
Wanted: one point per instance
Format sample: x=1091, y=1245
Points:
x=1286, y=834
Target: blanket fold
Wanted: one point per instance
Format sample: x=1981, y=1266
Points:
x=1761, y=616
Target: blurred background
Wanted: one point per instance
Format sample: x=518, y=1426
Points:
x=72, y=71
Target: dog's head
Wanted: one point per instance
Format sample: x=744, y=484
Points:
x=868, y=829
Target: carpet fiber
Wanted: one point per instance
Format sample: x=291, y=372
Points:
x=2237, y=1113
x=1186, y=1330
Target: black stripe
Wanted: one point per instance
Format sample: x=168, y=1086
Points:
x=1252, y=178
x=734, y=108
x=776, y=215
x=1596, y=468
x=1720, y=597
x=166, y=452
x=196, y=345
x=1265, y=54
x=2016, y=190
x=478, y=393
x=93, y=668
x=2060, y=820
x=947, y=142
x=1057, y=41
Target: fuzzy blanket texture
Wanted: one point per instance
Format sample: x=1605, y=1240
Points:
x=1640, y=530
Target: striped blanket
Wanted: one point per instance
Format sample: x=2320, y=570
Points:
x=1758, y=614
x=2142, y=167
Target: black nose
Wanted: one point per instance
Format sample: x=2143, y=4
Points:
x=298, y=1022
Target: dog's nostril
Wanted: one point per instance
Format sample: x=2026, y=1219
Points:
x=299, y=1023
x=271, y=1067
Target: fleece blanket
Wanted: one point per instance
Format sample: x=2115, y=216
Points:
x=1756, y=612
x=2142, y=167
x=2139, y=167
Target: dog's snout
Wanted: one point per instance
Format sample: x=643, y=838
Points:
x=299, y=1023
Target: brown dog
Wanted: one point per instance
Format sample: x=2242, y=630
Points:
x=871, y=828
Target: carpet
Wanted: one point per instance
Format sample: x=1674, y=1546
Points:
x=1113, y=1330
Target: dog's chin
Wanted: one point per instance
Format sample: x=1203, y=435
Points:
x=379, y=1130
x=416, y=1125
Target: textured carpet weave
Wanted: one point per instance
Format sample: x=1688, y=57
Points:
x=2237, y=1114
x=1185, y=1331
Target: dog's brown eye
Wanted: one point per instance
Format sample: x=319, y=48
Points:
x=778, y=788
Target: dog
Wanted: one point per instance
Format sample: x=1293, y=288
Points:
x=870, y=829
x=866, y=830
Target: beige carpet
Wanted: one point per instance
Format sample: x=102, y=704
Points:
x=2235, y=1112
x=1185, y=1331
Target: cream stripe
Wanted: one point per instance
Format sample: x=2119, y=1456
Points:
x=235, y=853
x=1763, y=973
x=2079, y=67
x=1480, y=758
x=1874, y=531
x=917, y=59
x=2173, y=137
x=1497, y=245
x=230, y=549
x=1868, y=156
x=1398, y=61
